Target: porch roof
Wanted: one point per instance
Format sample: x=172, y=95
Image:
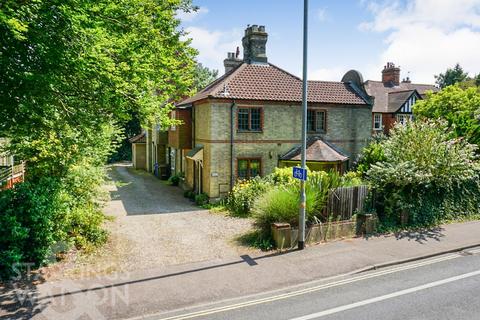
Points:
x=318, y=150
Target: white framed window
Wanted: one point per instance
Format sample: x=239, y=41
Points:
x=403, y=118
x=377, y=121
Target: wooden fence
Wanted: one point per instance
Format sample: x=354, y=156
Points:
x=342, y=203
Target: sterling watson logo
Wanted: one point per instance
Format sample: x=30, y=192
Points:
x=85, y=298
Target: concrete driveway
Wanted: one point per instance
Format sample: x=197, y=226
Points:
x=155, y=226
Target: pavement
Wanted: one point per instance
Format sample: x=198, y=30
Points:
x=150, y=293
x=445, y=287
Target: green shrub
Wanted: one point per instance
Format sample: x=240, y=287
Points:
x=37, y=215
x=174, y=180
x=29, y=223
x=281, y=204
x=370, y=155
x=189, y=194
x=425, y=175
x=201, y=199
x=241, y=198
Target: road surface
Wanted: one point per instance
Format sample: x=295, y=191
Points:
x=445, y=287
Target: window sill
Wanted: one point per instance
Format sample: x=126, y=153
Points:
x=249, y=131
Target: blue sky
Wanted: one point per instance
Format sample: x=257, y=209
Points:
x=424, y=37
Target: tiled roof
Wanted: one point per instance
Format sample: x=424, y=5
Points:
x=381, y=91
x=267, y=82
x=397, y=98
x=317, y=150
x=139, y=138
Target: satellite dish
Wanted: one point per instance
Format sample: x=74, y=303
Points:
x=354, y=77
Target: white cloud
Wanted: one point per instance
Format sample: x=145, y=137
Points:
x=214, y=45
x=192, y=15
x=327, y=74
x=322, y=14
x=426, y=36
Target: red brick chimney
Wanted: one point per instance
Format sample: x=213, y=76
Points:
x=391, y=74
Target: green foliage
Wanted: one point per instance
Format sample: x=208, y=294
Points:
x=201, y=199
x=241, y=198
x=174, y=180
x=203, y=77
x=371, y=154
x=73, y=73
x=460, y=108
x=281, y=204
x=256, y=239
x=28, y=223
x=426, y=175
x=189, y=194
x=451, y=76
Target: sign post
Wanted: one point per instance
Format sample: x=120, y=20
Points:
x=303, y=200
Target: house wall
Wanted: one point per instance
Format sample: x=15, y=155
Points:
x=348, y=127
x=139, y=155
x=388, y=121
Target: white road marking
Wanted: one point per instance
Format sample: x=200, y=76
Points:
x=302, y=291
x=387, y=296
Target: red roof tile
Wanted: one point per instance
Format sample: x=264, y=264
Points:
x=267, y=82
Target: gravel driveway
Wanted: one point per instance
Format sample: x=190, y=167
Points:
x=155, y=226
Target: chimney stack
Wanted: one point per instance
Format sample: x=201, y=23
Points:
x=254, y=44
x=391, y=74
x=232, y=61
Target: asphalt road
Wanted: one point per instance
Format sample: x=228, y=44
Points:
x=445, y=287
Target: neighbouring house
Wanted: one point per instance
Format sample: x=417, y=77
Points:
x=393, y=99
x=248, y=122
x=139, y=151
x=12, y=171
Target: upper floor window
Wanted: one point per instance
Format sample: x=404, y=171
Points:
x=248, y=168
x=377, y=121
x=316, y=121
x=250, y=119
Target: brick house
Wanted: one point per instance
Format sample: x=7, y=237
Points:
x=248, y=122
x=393, y=100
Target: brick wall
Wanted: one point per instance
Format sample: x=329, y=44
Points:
x=348, y=127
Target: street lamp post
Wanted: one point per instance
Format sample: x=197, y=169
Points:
x=303, y=200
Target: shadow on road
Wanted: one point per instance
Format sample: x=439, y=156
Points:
x=19, y=300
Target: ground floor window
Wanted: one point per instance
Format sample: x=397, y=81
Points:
x=403, y=118
x=248, y=168
x=377, y=121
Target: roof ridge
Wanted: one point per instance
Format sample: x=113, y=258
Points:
x=410, y=83
x=327, y=81
x=284, y=71
x=401, y=91
x=212, y=86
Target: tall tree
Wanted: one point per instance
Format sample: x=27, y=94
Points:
x=203, y=76
x=72, y=72
x=459, y=107
x=71, y=68
x=451, y=76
